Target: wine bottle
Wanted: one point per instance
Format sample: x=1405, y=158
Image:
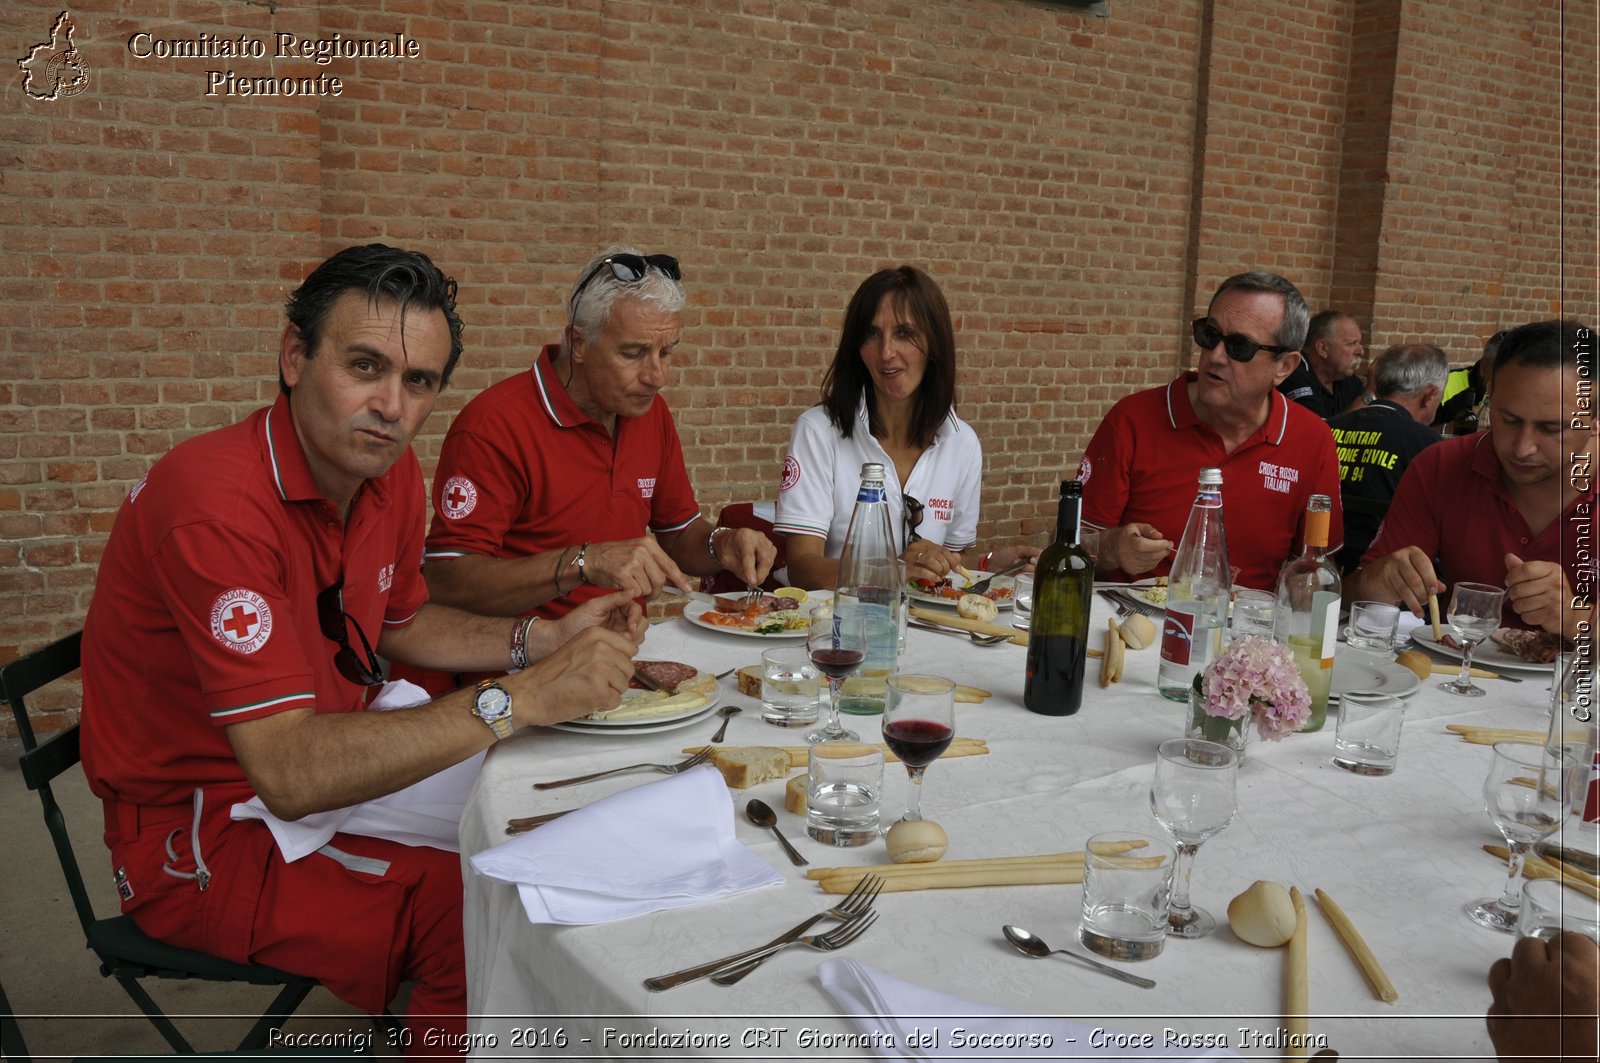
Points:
x=1306, y=617
x=1198, y=589
x=867, y=571
x=1058, y=632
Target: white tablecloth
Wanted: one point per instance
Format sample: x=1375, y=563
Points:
x=1401, y=854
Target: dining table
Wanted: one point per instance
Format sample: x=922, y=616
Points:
x=1401, y=854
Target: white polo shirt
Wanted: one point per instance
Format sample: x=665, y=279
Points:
x=822, y=474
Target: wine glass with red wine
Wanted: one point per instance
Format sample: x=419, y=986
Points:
x=919, y=714
x=837, y=642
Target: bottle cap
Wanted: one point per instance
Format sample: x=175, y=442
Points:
x=872, y=470
x=1210, y=477
x=1317, y=527
x=1071, y=488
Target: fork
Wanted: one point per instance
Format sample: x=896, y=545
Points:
x=983, y=584
x=837, y=938
x=857, y=903
x=752, y=595
x=665, y=769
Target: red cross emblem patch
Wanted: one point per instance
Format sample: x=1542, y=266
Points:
x=241, y=620
x=458, y=497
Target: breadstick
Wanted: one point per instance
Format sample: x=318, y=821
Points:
x=1433, y=615
x=1535, y=867
x=1296, y=991
x=1108, y=662
x=982, y=627
x=1358, y=948
x=1568, y=870
x=1119, y=649
x=932, y=879
x=959, y=747
x=1071, y=856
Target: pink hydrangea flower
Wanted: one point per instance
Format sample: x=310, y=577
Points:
x=1258, y=676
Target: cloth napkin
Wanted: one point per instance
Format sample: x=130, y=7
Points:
x=880, y=1003
x=426, y=813
x=667, y=844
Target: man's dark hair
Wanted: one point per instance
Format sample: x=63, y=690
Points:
x=917, y=298
x=407, y=277
x=1549, y=345
x=1321, y=326
x=1292, y=331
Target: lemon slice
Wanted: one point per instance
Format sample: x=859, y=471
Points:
x=791, y=592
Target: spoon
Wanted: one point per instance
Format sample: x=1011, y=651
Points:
x=761, y=815
x=728, y=713
x=1029, y=945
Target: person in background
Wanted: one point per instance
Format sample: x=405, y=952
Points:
x=226, y=655
x=1510, y=507
x=1378, y=440
x=889, y=397
x=1545, y=1000
x=1141, y=466
x=1326, y=381
x=1466, y=393
x=568, y=480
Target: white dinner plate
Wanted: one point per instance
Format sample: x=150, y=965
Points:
x=958, y=581
x=1351, y=672
x=1488, y=654
x=695, y=610
x=648, y=725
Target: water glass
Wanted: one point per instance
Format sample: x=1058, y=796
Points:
x=1548, y=908
x=844, y=789
x=1372, y=626
x=1125, y=895
x=1089, y=539
x=791, y=688
x=1253, y=612
x=1367, y=740
x=1022, y=601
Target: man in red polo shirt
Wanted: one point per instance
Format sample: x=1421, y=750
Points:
x=569, y=478
x=226, y=654
x=1512, y=507
x=1140, y=469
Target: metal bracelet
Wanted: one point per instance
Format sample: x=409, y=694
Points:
x=711, y=544
x=583, y=577
x=519, y=643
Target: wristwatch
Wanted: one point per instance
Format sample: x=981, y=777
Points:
x=493, y=707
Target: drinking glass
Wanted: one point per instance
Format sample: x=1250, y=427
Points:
x=1372, y=626
x=1022, y=601
x=1253, y=613
x=919, y=722
x=1474, y=615
x=1089, y=539
x=837, y=642
x=1526, y=793
x=1193, y=797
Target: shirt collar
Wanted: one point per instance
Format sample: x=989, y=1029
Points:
x=286, y=460
x=948, y=427
x=553, y=396
x=1180, y=414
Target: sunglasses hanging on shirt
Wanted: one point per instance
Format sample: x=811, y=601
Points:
x=331, y=618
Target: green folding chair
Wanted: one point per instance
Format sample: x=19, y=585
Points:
x=126, y=953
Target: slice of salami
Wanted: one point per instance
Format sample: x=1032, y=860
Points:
x=667, y=675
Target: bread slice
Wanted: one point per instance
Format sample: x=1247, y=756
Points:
x=794, y=793
x=746, y=766
x=749, y=680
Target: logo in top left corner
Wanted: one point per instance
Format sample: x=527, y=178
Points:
x=55, y=69
x=241, y=620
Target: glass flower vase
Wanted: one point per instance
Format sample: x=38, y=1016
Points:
x=1200, y=724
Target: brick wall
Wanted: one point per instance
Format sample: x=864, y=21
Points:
x=1077, y=185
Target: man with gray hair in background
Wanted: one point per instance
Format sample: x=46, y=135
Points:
x=1325, y=382
x=568, y=478
x=1377, y=441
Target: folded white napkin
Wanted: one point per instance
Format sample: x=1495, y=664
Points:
x=425, y=813
x=667, y=844
x=1407, y=623
x=895, y=1009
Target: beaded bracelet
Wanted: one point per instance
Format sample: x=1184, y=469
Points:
x=519, y=643
x=583, y=577
x=560, y=565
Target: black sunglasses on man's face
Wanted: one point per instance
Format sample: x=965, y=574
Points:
x=1239, y=348
x=331, y=619
x=629, y=269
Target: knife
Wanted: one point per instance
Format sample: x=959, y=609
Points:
x=983, y=584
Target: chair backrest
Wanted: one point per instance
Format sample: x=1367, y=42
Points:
x=42, y=762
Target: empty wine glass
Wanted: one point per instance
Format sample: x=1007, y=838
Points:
x=1527, y=792
x=837, y=643
x=1193, y=797
x=1474, y=616
x=919, y=722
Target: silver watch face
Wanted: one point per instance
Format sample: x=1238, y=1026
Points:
x=493, y=704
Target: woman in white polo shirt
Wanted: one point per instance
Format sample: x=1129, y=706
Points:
x=888, y=397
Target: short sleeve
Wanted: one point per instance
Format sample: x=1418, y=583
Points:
x=1410, y=520
x=963, y=532
x=479, y=489
x=673, y=506
x=806, y=492
x=1105, y=470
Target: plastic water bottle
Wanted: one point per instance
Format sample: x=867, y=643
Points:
x=1306, y=617
x=867, y=569
x=1198, y=590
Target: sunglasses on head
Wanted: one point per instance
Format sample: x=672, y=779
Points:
x=332, y=618
x=629, y=269
x=1239, y=348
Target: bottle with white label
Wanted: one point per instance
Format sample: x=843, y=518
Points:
x=1307, y=614
x=867, y=570
x=1199, y=587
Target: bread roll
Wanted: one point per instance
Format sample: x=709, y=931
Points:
x=1263, y=914
x=747, y=766
x=977, y=607
x=1138, y=631
x=916, y=841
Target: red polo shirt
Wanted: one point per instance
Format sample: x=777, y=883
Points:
x=1145, y=459
x=524, y=471
x=204, y=609
x=1452, y=505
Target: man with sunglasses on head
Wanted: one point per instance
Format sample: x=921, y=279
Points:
x=250, y=577
x=567, y=480
x=1139, y=470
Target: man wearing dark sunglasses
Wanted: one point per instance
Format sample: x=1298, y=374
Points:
x=249, y=583
x=568, y=479
x=1139, y=470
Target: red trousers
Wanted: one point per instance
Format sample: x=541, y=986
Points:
x=382, y=914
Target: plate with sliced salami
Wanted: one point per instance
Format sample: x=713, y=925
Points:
x=769, y=617
x=1508, y=648
x=684, y=694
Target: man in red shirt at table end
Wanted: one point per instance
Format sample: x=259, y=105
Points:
x=1512, y=507
x=226, y=654
x=1140, y=469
